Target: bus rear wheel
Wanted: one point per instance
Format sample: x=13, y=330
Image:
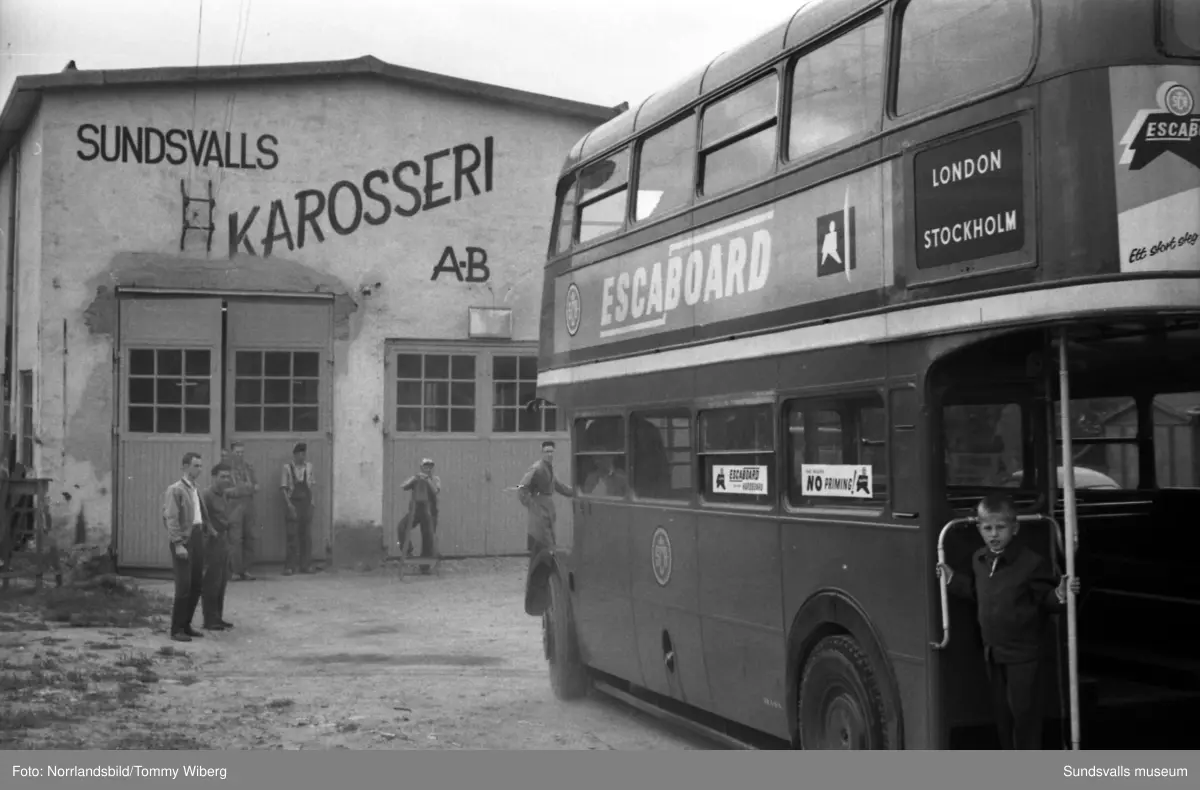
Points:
x=840, y=704
x=568, y=675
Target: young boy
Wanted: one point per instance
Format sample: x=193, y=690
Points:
x=1015, y=591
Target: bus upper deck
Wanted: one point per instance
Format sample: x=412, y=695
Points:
x=870, y=156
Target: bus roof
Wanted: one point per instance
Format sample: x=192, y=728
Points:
x=811, y=20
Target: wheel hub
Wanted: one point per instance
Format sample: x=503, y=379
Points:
x=845, y=725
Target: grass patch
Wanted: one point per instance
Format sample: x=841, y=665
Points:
x=134, y=660
x=115, y=606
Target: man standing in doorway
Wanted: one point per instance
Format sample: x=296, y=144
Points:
x=187, y=529
x=297, y=486
x=423, y=508
x=216, y=549
x=536, y=492
x=243, y=515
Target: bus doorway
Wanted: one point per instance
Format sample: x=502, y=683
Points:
x=1134, y=442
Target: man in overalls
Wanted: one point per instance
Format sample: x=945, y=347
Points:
x=536, y=492
x=243, y=514
x=423, y=507
x=297, y=486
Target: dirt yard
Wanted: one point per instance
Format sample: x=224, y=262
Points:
x=338, y=660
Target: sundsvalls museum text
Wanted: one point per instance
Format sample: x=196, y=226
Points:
x=409, y=187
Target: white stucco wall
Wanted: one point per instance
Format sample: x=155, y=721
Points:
x=95, y=214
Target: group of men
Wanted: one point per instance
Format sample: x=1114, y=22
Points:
x=213, y=532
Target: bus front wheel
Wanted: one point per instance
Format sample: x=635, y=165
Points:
x=840, y=704
x=568, y=675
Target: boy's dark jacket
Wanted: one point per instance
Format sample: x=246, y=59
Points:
x=1013, y=601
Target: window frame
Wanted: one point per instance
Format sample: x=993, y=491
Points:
x=1169, y=42
x=495, y=407
x=691, y=114
x=393, y=372
x=568, y=184
x=703, y=497
x=233, y=404
x=702, y=152
x=670, y=413
x=786, y=113
x=837, y=401
x=577, y=479
x=627, y=149
x=895, y=38
x=210, y=376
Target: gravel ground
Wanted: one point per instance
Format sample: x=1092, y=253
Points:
x=334, y=660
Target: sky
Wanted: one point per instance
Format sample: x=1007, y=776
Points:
x=600, y=52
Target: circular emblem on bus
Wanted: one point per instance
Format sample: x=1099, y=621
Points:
x=1177, y=99
x=660, y=556
x=573, y=309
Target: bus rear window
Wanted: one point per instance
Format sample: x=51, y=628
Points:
x=950, y=49
x=983, y=446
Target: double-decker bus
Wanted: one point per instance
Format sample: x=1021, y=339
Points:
x=804, y=308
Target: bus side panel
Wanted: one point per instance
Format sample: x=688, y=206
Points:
x=603, y=609
x=879, y=566
x=666, y=614
x=741, y=598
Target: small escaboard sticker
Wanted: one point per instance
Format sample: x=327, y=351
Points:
x=745, y=480
x=841, y=480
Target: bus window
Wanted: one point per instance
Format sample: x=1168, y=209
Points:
x=737, y=454
x=1106, y=455
x=952, y=48
x=983, y=445
x=849, y=431
x=1176, y=437
x=565, y=215
x=1181, y=19
x=665, y=167
x=662, y=455
x=600, y=456
x=603, y=194
x=837, y=90
x=738, y=137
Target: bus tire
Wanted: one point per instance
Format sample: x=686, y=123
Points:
x=840, y=704
x=568, y=675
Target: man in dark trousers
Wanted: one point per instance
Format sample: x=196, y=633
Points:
x=423, y=507
x=188, y=527
x=1015, y=591
x=536, y=492
x=218, y=506
x=243, y=513
x=297, y=486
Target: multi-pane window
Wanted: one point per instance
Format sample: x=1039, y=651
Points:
x=435, y=393
x=738, y=137
x=603, y=195
x=514, y=384
x=662, y=455
x=276, y=391
x=837, y=451
x=600, y=456
x=170, y=390
x=952, y=48
x=737, y=454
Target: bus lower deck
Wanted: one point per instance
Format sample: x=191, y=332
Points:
x=1135, y=405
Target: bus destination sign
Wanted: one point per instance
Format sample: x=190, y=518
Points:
x=970, y=196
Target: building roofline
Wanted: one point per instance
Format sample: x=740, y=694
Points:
x=26, y=94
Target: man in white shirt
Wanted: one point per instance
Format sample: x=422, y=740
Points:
x=187, y=523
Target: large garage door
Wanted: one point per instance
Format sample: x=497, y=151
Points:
x=461, y=406
x=169, y=373
x=279, y=392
